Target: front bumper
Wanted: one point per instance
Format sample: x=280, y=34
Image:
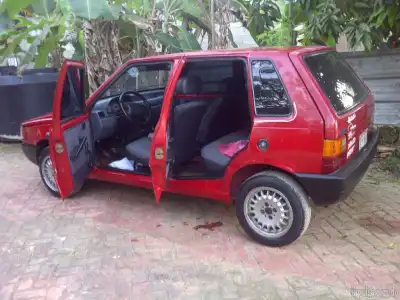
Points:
x=30, y=152
x=337, y=186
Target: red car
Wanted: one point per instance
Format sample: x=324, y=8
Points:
x=269, y=130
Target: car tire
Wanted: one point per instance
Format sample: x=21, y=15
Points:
x=44, y=160
x=270, y=198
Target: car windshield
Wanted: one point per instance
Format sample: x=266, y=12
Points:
x=337, y=79
x=140, y=78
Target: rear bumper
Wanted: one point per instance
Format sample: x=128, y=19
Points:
x=336, y=186
x=30, y=152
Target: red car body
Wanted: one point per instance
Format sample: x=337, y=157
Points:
x=296, y=143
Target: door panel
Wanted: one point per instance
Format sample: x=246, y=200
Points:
x=78, y=140
x=71, y=142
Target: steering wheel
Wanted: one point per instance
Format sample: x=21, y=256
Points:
x=136, y=110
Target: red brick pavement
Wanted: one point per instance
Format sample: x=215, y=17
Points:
x=114, y=242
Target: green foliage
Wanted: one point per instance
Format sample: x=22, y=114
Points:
x=173, y=39
x=277, y=37
x=95, y=9
x=142, y=7
x=44, y=7
x=257, y=16
x=44, y=32
x=181, y=41
x=55, y=23
x=364, y=22
x=171, y=43
x=12, y=7
x=188, y=41
x=5, y=21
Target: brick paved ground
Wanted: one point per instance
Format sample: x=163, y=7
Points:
x=114, y=242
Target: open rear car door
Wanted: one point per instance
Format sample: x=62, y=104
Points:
x=71, y=143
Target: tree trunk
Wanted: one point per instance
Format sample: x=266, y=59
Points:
x=223, y=14
x=102, y=56
x=56, y=58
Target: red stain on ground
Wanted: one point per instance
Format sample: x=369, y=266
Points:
x=209, y=226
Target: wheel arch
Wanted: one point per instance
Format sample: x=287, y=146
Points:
x=42, y=144
x=247, y=172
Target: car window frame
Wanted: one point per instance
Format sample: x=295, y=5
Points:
x=271, y=60
x=82, y=102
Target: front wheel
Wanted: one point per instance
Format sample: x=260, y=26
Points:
x=47, y=172
x=273, y=209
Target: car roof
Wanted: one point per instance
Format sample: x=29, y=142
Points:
x=297, y=50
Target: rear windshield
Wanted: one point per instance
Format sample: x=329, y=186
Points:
x=337, y=79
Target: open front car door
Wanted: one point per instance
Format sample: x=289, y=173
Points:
x=71, y=142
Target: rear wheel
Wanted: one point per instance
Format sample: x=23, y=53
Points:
x=273, y=208
x=47, y=172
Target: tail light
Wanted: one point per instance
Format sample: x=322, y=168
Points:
x=334, y=154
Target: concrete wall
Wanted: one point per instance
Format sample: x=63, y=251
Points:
x=381, y=72
x=343, y=45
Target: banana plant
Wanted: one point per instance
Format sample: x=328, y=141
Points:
x=44, y=31
x=172, y=37
x=179, y=41
x=67, y=16
x=166, y=35
x=105, y=32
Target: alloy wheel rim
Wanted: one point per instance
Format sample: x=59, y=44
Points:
x=49, y=174
x=268, y=212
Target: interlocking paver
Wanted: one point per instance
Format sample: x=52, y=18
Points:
x=115, y=242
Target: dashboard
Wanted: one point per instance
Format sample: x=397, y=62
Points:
x=104, y=118
x=107, y=117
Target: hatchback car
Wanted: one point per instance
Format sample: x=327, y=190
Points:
x=269, y=129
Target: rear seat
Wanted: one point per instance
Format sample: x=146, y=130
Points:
x=213, y=158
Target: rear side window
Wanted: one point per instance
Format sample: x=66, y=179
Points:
x=337, y=79
x=270, y=97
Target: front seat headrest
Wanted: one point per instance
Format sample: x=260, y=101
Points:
x=189, y=85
